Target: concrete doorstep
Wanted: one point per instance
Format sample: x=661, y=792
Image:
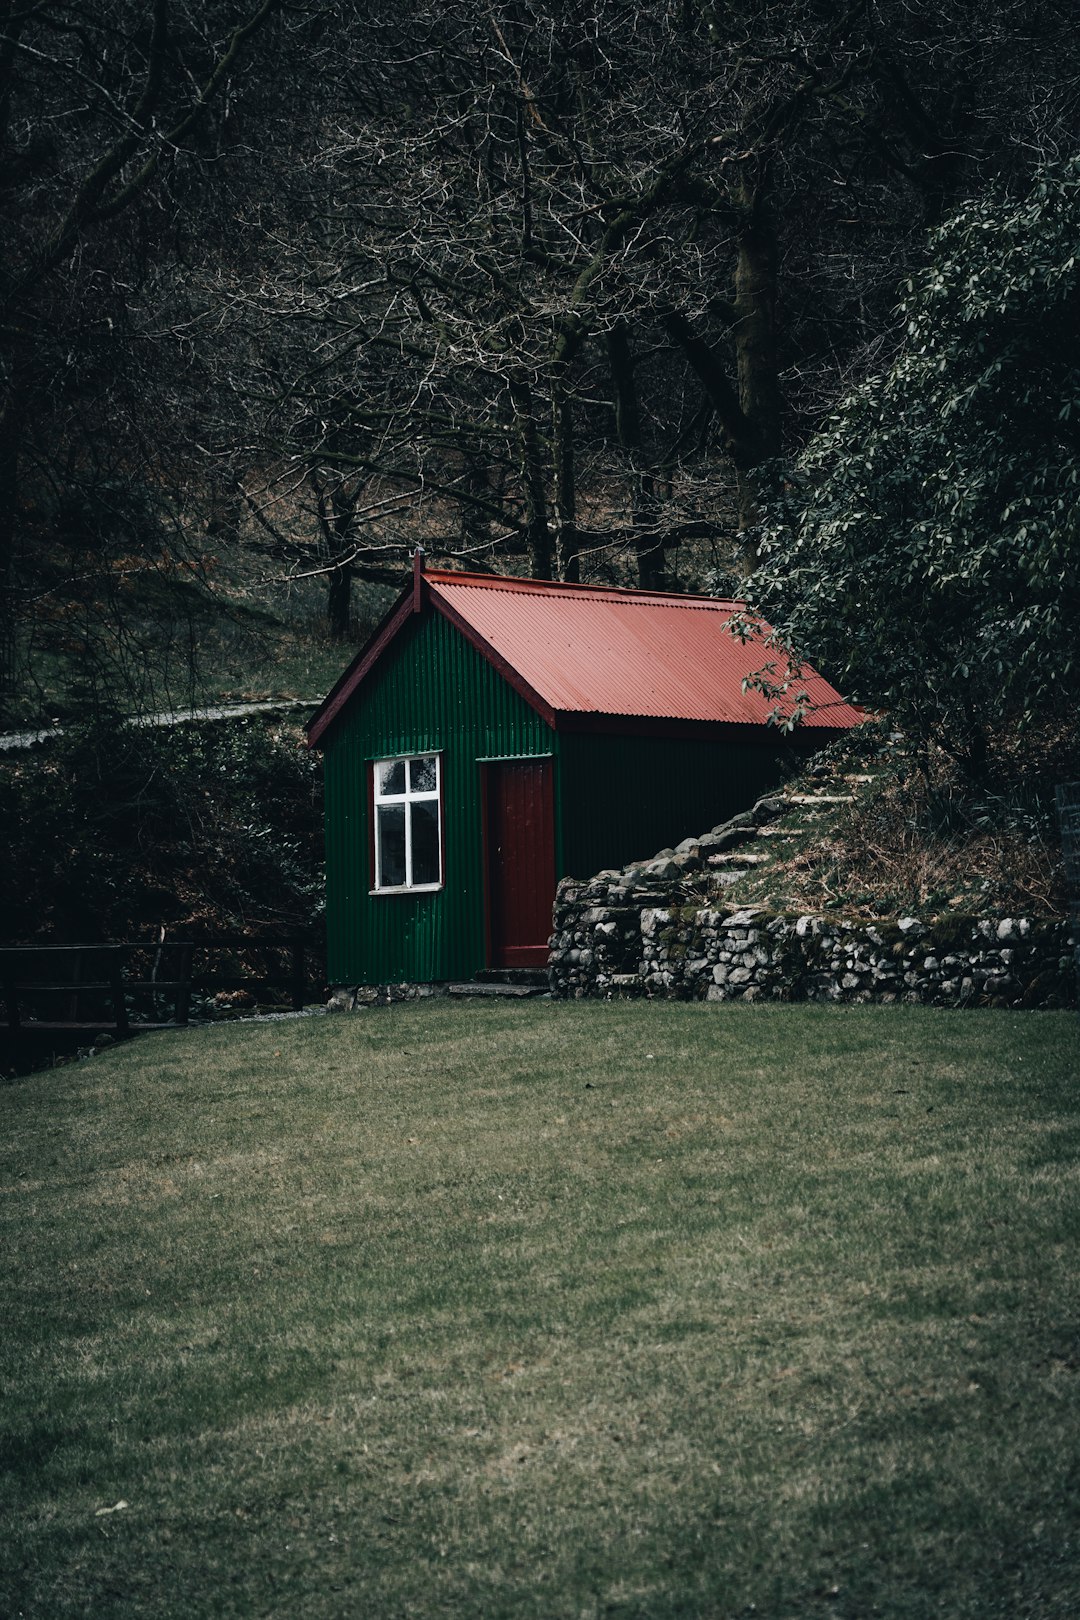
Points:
x=474, y=988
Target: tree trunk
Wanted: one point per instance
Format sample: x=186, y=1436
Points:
x=10, y=447
x=475, y=522
x=566, y=531
x=339, y=601
x=335, y=506
x=225, y=511
x=648, y=545
x=755, y=350
x=538, y=535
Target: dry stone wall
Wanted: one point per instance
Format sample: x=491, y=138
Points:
x=699, y=953
x=643, y=932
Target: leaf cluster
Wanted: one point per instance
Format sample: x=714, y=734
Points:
x=925, y=545
x=119, y=830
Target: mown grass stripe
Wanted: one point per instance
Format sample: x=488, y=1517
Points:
x=547, y=1310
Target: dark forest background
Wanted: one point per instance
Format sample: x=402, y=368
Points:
x=770, y=299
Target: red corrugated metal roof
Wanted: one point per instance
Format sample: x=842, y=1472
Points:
x=587, y=650
x=578, y=651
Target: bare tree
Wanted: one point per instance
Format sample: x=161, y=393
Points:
x=539, y=286
x=567, y=277
x=107, y=133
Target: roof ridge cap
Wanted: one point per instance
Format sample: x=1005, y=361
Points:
x=524, y=583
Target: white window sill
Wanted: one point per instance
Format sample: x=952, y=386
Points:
x=417, y=888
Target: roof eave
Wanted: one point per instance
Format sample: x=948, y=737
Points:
x=652, y=725
x=417, y=595
x=501, y=665
x=362, y=664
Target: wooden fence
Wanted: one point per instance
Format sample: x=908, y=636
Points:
x=121, y=989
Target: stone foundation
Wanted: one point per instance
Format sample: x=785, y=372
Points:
x=609, y=943
x=353, y=998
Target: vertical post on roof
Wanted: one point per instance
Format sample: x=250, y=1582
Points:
x=417, y=576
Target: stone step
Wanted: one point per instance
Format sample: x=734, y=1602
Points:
x=821, y=798
x=533, y=976
x=472, y=988
x=743, y=858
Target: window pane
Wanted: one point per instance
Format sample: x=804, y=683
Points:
x=391, y=841
x=422, y=774
x=425, y=841
x=390, y=776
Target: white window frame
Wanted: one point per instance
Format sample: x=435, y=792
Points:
x=409, y=797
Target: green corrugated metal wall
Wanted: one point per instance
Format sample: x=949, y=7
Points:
x=432, y=692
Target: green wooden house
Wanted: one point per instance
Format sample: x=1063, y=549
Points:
x=496, y=734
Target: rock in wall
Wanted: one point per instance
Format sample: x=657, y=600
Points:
x=609, y=942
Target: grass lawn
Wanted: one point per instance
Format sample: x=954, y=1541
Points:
x=547, y=1310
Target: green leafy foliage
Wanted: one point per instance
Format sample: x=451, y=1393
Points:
x=119, y=830
x=925, y=549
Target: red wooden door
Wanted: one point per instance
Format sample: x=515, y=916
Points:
x=519, y=835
